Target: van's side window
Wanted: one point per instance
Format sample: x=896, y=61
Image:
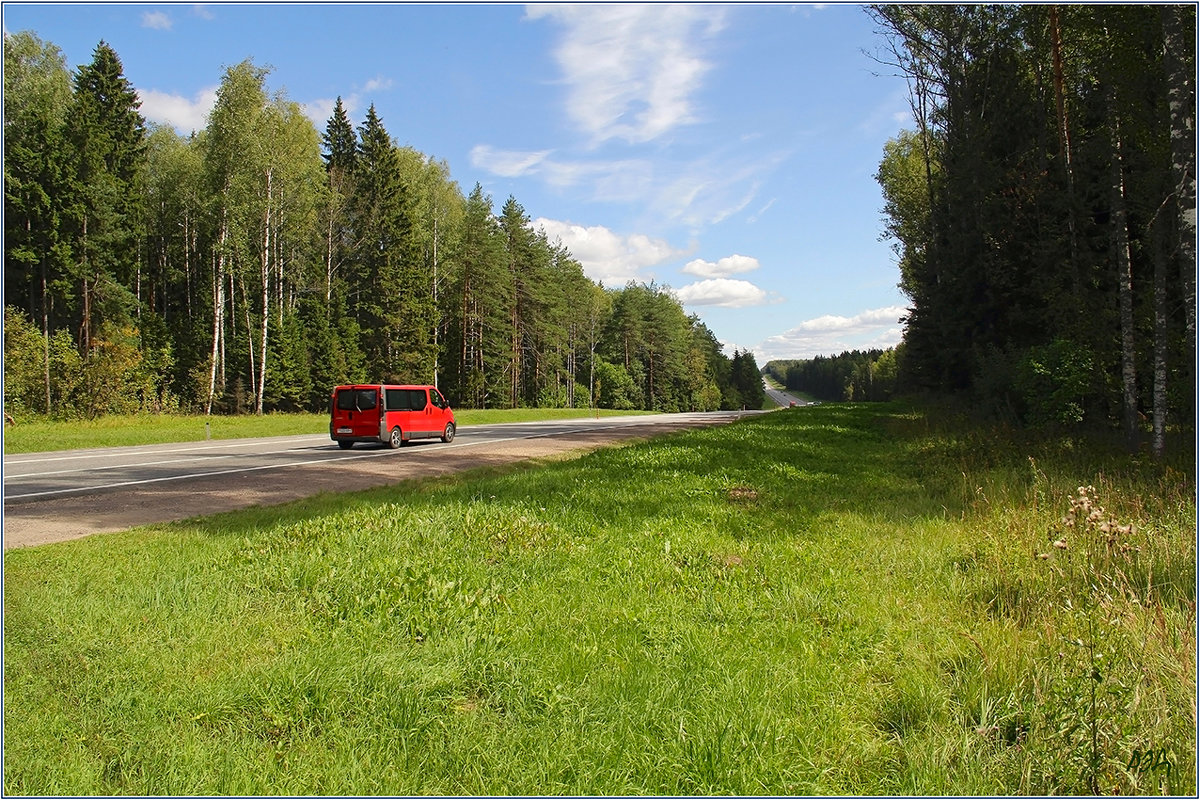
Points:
x=436, y=398
x=356, y=400
x=405, y=399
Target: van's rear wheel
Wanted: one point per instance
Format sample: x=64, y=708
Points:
x=396, y=439
x=345, y=445
x=448, y=434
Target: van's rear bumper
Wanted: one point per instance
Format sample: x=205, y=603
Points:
x=342, y=435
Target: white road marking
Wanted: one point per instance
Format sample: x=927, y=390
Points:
x=342, y=457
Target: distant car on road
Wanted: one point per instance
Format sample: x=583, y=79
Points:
x=387, y=413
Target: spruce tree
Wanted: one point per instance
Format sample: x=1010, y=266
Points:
x=108, y=135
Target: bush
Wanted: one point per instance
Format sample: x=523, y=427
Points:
x=1053, y=382
x=25, y=371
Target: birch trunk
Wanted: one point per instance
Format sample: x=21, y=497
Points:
x=1181, y=97
x=265, y=271
x=1120, y=242
x=1159, y=438
x=218, y=312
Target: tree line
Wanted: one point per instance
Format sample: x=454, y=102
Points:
x=255, y=264
x=851, y=377
x=1044, y=209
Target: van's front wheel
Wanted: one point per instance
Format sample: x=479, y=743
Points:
x=448, y=434
x=396, y=439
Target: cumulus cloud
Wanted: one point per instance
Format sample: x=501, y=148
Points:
x=605, y=255
x=722, y=268
x=177, y=111
x=156, y=20
x=722, y=292
x=631, y=70
x=321, y=109
x=832, y=334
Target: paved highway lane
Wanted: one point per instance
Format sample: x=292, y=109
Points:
x=783, y=398
x=63, y=495
x=36, y=476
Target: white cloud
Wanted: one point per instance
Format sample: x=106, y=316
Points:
x=722, y=292
x=758, y=214
x=378, y=84
x=507, y=163
x=156, y=20
x=321, y=109
x=201, y=11
x=631, y=69
x=618, y=181
x=831, y=334
x=714, y=188
x=177, y=111
x=605, y=255
x=722, y=268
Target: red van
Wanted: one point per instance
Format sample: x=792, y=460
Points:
x=389, y=414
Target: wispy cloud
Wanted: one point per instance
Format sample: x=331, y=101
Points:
x=183, y=114
x=156, y=20
x=508, y=163
x=831, y=334
x=606, y=255
x=377, y=84
x=694, y=194
x=713, y=188
x=631, y=70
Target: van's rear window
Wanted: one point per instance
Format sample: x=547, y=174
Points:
x=406, y=399
x=357, y=399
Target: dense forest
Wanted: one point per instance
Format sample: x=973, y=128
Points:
x=257, y=263
x=1043, y=210
x=851, y=377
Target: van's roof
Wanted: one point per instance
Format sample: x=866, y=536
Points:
x=384, y=385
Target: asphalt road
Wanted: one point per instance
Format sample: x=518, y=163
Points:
x=783, y=398
x=67, y=494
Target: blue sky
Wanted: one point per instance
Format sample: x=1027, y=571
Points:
x=725, y=151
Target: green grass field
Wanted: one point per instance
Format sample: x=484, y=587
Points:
x=825, y=600
x=38, y=435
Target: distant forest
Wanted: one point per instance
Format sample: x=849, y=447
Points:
x=851, y=377
x=1043, y=210
x=254, y=265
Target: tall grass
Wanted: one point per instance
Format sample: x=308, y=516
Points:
x=825, y=600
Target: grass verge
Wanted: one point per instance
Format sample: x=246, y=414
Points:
x=40, y=435
x=828, y=600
